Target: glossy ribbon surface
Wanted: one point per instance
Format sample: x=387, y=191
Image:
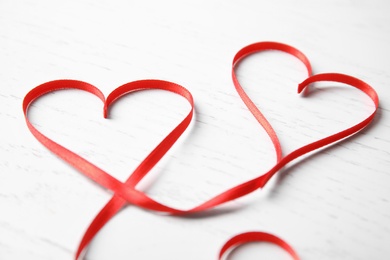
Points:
x=126, y=192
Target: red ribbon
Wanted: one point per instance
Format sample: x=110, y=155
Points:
x=126, y=193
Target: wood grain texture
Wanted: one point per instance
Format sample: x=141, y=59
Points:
x=333, y=204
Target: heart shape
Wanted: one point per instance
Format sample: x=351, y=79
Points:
x=89, y=169
x=126, y=192
x=282, y=161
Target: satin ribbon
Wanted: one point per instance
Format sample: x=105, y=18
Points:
x=126, y=193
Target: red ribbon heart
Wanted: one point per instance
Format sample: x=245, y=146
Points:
x=282, y=161
x=126, y=192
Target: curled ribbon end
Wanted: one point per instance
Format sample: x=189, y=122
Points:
x=301, y=87
x=105, y=111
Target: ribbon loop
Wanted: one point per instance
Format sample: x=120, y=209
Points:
x=249, y=237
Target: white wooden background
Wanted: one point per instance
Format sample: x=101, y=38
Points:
x=334, y=204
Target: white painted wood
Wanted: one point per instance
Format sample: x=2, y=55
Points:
x=335, y=205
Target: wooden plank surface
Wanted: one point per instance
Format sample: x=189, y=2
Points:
x=333, y=204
